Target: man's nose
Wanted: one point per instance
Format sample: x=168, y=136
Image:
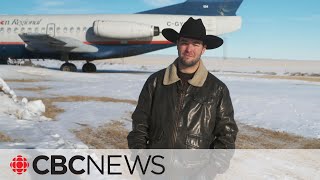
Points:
x=189, y=47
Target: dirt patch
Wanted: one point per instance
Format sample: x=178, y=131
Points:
x=22, y=80
x=301, y=78
x=5, y=138
x=109, y=136
x=114, y=135
x=259, y=138
x=52, y=111
x=103, y=137
x=90, y=98
x=39, y=88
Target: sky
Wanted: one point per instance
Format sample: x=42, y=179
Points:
x=273, y=29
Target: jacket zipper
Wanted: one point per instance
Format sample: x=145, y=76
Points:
x=180, y=105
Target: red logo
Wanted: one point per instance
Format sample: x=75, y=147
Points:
x=2, y=22
x=19, y=164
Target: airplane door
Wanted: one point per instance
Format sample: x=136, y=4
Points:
x=51, y=29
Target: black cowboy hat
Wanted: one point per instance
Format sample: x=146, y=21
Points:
x=193, y=29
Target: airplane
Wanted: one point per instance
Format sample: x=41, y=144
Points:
x=101, y=36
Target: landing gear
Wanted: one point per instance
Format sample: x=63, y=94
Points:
x=68, y=67
x=89, y=67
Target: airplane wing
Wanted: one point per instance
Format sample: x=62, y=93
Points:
x=45, y=43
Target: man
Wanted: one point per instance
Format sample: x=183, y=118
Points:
x=184, y=106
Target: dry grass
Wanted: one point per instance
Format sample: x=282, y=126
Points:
x=39, y=88
x=90, y=98
x=52, y=111
x=110, y=136
x=5, y=138
x=22, y=80
x=113, y=135
x=259, y=138
x=302, y=78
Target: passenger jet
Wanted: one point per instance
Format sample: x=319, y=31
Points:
x=93, y=37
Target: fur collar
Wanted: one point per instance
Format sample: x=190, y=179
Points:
x=198, y=79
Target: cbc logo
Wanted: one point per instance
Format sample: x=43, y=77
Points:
x=19, y=164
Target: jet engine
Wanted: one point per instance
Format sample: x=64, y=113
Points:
x=124, y=30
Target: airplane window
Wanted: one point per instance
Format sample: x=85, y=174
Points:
x=36, y=30
x=84, y=29
x=58, y=29
x=16, y=30
x=9, y=30
x=29, y=30
x=71, y=30
x=78, y=29
x=1, y=30
x=22, y=30
x=65, y=29
x=43, y=30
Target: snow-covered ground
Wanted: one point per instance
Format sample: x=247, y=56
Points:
x=284, y=105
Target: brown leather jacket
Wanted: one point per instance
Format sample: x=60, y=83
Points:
x=167, y=117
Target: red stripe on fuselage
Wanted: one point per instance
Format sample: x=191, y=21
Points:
x=127, y=42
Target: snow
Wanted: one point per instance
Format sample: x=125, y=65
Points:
x=6, y=90
x=282, y=105
x=20, y=109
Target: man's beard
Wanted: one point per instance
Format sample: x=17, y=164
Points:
x=189, y=63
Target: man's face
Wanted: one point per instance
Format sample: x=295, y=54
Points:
x=190, y=51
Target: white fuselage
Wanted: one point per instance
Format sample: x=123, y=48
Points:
x=80, y=27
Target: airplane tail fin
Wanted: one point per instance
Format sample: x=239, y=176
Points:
x=200, y=8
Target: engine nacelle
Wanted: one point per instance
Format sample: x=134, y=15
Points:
x=124, y=30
